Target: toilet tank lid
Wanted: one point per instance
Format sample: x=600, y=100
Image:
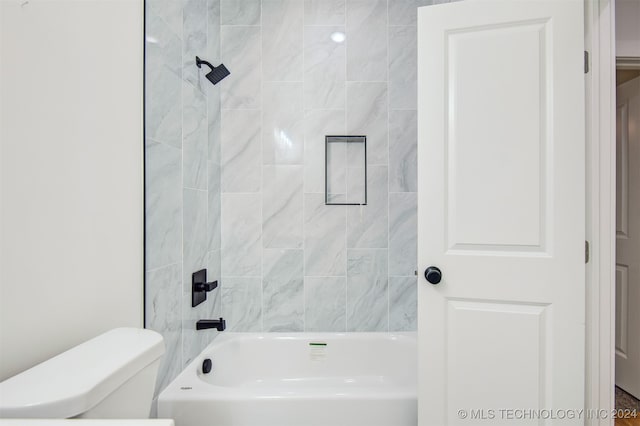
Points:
x=78, y=379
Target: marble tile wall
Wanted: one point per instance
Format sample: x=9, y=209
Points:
x=235, y=172
x=300, y=70
x=182, y=173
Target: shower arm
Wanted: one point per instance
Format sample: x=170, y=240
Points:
x=199, y=63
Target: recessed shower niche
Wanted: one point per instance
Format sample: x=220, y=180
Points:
x=346, y=170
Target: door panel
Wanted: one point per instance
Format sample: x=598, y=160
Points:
x=478, y=327
x=511, y=215
x=628, y=237
x=622, y=316
x=501, y=209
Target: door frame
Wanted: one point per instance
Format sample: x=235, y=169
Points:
x=600, y=198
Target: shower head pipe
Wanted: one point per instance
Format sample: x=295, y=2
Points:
x=199, y=63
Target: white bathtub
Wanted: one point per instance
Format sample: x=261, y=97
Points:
x=298, y=379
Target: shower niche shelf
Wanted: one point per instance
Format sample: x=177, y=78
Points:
x=345, y=170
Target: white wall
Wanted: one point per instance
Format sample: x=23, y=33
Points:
x=71, y=234
x=628, y=28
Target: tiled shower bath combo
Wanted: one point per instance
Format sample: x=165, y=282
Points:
x=235, y=172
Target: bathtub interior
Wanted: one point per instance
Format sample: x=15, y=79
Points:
x=303, y=360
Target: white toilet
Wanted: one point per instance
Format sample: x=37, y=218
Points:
x=108, y=377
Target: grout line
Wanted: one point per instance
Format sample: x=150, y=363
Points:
x=388, y=179
x=240, y=193
x=304, y=159
x=196, y=189
x=167, y=144
x=220, y=166
x=182, y=310
x=261, y=135
x=244, y=25
x=207, y=93
x=402, y=192
x=156, y=269
x=367, y=81
x=344, y=208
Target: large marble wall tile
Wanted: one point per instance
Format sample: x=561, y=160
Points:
x=367, y=38
x=241, y=235
x=242, y=303
x=325, y=304
x=367, y=225
x=171, y=364
x=214, y=120
x=241, y=53
x=170, y=11
x=194, y=341
x=282, y=290
x=403, y=67
x=164, y=108
x=241, y=156
x=194, y=41
x=403, y=144
x=213, y=92
x=367, y=111
x=282, y=207
x=403, y=12
x=194, y=138
x=367, y=287
x=324, y=240
x=282, y=40
x=163, y=295
x=240, y=12
x=163, y=47
x=214, y=207
x=194, y=231
x=282, y=123
x=213, y=30
x=403, y=224
x=403, y=304
x=163, y=70
x=324, y=12
x=214, y=273
x=324, y=68
x=318, y=124
x=163, y=205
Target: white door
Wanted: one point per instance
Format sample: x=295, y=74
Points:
x=628, y=238
x=501, y=212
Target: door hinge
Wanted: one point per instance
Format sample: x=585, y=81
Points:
x=586, y=252
x=586, y=62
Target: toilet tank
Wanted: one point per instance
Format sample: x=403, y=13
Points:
x=110, y=376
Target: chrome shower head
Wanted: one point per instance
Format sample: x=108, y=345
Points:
x=216, y=74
